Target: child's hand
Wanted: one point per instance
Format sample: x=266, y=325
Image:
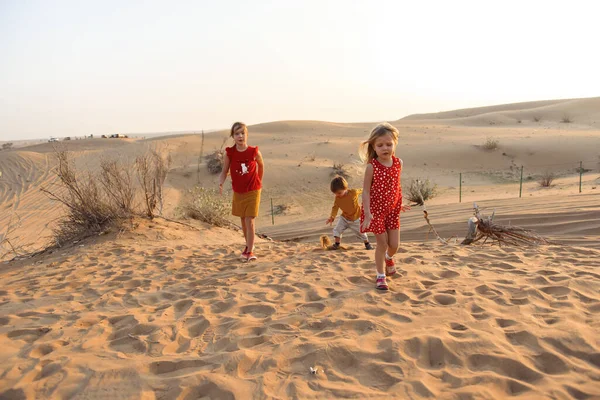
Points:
x=367, y=222
x=329, y=221
x=404, y=208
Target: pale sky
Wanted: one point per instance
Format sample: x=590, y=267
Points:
x=95, y=67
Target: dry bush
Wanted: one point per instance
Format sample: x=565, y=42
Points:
x=490, y=144
x=537, y=118
x=214, y=161
x=118, y=186
x=89, y=208
x=566, y=119
x=546, y=179
x=280, y=209
x=97, y=202
x=339, y=169
x=7, y=146
x=152, y=169
x=420, y=191
x=208, y=206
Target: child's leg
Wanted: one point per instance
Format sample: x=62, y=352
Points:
x=340, y=227
x=250, y=233
x=382, y=244
x=393, y=239
x=355, y=227
x=244, y=229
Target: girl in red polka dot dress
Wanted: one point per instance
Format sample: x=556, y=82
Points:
x=382, y=198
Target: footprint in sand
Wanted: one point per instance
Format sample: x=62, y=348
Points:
x=503, y=366
x=431, y=352
x=28, y=335
x=444, y=299
x=258, y=310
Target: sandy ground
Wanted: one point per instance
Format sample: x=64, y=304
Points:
x=167, y=311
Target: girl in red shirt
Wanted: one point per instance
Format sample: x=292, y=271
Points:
x=382, y=198
x=245, y=165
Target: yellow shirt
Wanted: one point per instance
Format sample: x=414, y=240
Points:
x=348, y=204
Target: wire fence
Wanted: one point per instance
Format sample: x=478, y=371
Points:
x=543, y=176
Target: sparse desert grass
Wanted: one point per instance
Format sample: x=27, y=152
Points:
x=207, y=205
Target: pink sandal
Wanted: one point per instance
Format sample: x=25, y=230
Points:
x=381, y=284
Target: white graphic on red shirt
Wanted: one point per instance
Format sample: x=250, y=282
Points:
x=244, y=169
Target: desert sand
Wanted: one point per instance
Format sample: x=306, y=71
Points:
x=169, y=311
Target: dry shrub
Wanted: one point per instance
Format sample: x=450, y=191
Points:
x=118, y=186
x=546, y=179
x=7, y=146
x=207, y=205
x=566, y=119
x=281, y=209
x=97, y=202
x=420, y=191
x=89, y=208
x=490, y=144
x=339, y=169
x=537, y=118
x=214, y=161
x=152, y=169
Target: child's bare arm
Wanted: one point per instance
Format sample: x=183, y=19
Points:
x=224, y=172
x=366, y=196
x=261, y=165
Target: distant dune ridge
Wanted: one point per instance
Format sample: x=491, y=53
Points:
x=168, y=311
x=582, y=112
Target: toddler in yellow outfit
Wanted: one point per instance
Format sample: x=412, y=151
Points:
x=347, y=201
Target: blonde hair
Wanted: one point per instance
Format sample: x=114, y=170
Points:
x=237, y=125
x=367, y=151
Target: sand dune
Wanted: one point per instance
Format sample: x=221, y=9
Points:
x=580, y=112
x=153, y=314
x=167, y=311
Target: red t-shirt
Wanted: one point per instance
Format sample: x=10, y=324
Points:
x=243, y=169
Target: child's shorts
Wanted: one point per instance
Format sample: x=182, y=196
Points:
x=246, y=204
x=386, y=222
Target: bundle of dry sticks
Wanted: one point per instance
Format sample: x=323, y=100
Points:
x=481, y=227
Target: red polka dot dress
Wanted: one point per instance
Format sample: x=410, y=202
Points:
x=386, y=197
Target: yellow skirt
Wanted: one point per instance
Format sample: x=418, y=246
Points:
x=246, y=204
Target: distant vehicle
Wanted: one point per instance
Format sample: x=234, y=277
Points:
x=67, y=138
x=118, y=136
x=104, y=136
x=53, y=139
